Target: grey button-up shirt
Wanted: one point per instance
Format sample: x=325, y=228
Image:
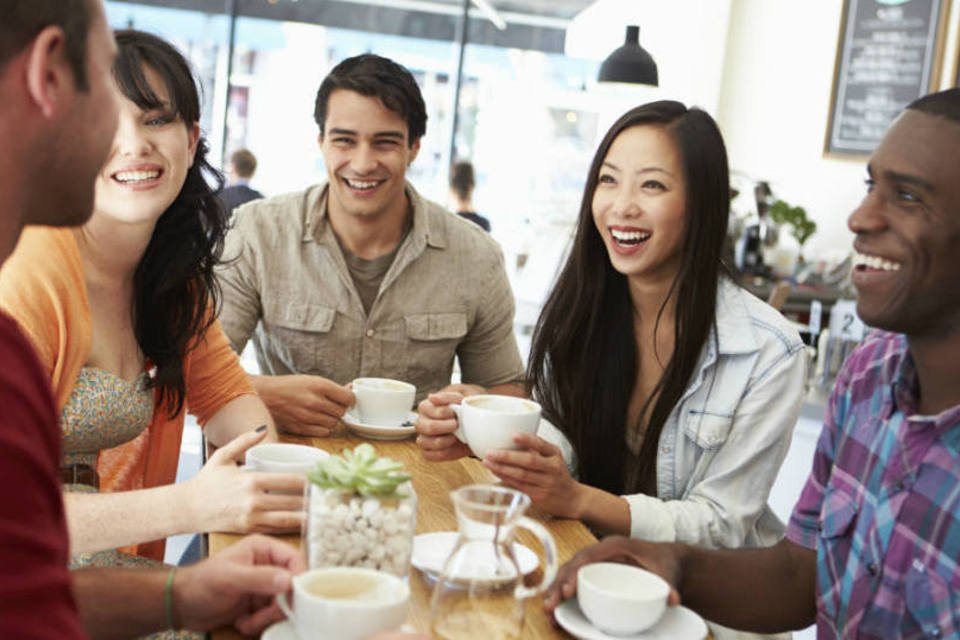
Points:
x=286, y=284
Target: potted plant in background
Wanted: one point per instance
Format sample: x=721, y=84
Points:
x=361, y=512
x=801, y=227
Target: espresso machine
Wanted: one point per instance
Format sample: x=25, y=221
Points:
x=757, y=234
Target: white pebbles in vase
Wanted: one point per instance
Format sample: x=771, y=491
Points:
x=361, y=512
x=345, y=529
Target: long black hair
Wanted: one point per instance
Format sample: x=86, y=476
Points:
x=583, y=362
x=175, y=292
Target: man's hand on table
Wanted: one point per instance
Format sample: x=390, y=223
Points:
x=304, y=405
x=225, y=497
x=237, y=586
x=657, y=558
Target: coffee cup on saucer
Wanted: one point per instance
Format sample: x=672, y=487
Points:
x=621, y=599
x=345, y=603
x=383, y=402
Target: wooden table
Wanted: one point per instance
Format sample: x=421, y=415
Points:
x=433, y=482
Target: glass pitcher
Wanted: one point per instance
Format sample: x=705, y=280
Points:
x=481, y=591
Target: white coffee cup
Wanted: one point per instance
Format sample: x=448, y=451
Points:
x=282, y=457
x=345, y=603
x=490, y=421
x=621, y=599
x=383, y=402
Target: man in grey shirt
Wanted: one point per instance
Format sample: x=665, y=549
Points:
x=361, y=276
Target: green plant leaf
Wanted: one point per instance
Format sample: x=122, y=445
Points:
x=360, y=470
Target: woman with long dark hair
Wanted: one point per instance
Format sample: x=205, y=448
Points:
x=674, y=391
x=122, y=313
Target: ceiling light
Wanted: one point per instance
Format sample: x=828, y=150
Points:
x=630, y=63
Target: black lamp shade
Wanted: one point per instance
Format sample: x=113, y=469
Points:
x=630, y=63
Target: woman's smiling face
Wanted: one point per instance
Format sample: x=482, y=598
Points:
x=639, y=205
x=151, y=153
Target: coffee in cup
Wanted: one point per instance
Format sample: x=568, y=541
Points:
x=490, y=421
x=621, y=599
x=383, y=402
x=345, y=603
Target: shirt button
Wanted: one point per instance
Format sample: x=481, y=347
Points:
x=872, y=568
x=370, y=333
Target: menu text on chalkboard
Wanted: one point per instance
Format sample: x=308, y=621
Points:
x=886, y=59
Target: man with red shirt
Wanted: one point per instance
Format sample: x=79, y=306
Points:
x=58, y=113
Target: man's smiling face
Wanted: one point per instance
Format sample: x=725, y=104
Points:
x=908, y=229
x=366, y=150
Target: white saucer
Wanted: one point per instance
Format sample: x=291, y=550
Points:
x=678, y=623
x=284, y=630
x=431, y=550
x=377, y=432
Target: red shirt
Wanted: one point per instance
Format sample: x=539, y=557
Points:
x=36, y=600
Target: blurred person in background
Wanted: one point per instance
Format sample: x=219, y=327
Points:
x=462, y=183
x=872, y=546
x=674, y=390
x=360, y=275
x=120, y=311
x=243, y=164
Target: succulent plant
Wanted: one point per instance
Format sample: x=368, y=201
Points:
x=361, y=471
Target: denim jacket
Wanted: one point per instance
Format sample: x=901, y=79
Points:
x=722, y=446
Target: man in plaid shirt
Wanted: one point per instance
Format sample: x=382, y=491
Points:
x=873, y=546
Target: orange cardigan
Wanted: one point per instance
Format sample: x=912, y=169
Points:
x=42, y=286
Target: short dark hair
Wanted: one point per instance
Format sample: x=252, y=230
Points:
x=945, y=104
x=25, y=19
x=462, y=180
x=375, y=76
x=244, y=162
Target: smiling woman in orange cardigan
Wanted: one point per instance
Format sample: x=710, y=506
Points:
x=120, y=312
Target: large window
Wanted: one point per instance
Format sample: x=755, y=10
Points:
x=528, y=120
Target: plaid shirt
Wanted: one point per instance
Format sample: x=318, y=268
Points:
x=882, y=504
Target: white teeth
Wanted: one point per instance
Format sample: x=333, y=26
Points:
x=361, y=184
x=874, y=262
x=629, y=236
x=136, y=176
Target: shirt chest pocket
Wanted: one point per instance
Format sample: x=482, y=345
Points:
x=298, y=334
x=707, y=430
x=704, y=432
x=433, y=339
x=838, y=517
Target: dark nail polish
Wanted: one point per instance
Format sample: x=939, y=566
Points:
x=261, y=428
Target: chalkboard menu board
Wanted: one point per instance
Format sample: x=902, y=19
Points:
x=886, y=58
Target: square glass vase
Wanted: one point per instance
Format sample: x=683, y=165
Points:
x=346, y=529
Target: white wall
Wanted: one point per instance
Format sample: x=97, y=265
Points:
x=774, y=106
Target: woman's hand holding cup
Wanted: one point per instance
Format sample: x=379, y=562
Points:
x=436, y=425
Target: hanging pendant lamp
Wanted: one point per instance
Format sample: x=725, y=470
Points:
x=630, y=63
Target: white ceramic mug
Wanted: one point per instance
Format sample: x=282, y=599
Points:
x=383, y=402
x=345, y=603
x=490, y=421
x=282, y=457
x=621, y=599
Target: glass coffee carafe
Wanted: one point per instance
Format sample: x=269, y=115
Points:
x=481, y=591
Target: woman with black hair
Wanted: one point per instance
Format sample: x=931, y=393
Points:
x=674, y=391
x=122, y=314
